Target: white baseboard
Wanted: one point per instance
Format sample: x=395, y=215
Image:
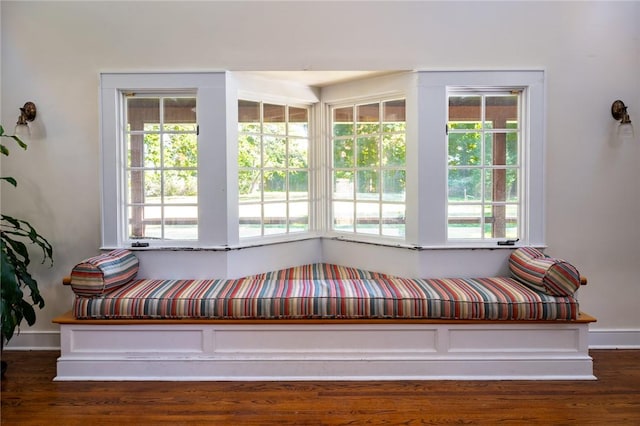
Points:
x=598, y=339
x=614, y=339
x=29, y=340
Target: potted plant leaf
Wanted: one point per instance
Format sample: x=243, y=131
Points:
x=20, y=291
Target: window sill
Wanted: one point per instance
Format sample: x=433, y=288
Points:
x=352, y=240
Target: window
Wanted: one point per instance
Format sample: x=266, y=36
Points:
x=427, y=159
x=484, y=167
x=164, y=159
x=161, y=170
x=368, y=168
x=273, y=168
x=478, y=163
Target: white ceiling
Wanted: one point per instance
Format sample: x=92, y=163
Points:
x=318, y=78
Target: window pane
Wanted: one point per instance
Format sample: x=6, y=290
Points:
x=343, y=216
x=367, y=152
x=368, y=119
x=343, y=121
x=179, y=114
x=274, y=186
x=141, y=111
x=298, y=217
x=145, y=222
x=298, y=121
x=511, y=231
x=343, y=153
x=249, y=185
x=298, y=153
x=501, y=221
x=274, y=119
x=367, y=185
x=181, y=187
x=152, y=186
x=465, y=221
x=343, y=185
x=500, y=110
x=465, y=108
x=298, y=185
x=143, y=150
x=465, y=149
x=275, y=154
x=501, y=185
x=181, y=222
x=249, y=150
x=275, y=218
x=135, y=217
x=368, y=215
x=180, y=150
x=394, y=111
x=501, y=149
x=465, y=185
x=393, y=185
x=393, y=150
x=248, y=111
x=250, y=220
x=135, y=185
x=393, y=220
x=368, y=113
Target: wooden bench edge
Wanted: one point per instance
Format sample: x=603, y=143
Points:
x=68, y=318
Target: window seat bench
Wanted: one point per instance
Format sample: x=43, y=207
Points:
x=324, y=322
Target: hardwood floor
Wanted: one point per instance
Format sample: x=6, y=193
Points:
x=30, y=397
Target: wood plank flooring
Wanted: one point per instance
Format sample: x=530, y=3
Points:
x=30, y=397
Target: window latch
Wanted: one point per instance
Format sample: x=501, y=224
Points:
x=508, y=242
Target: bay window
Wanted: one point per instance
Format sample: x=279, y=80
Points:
x=414, y=159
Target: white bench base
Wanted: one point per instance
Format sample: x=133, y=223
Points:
x=324, y=350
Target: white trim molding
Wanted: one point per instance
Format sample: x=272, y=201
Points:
x=29, y=340
x=598, y=339
x=614, y=339
x=220, y=350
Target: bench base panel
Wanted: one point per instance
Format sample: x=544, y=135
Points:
x=201, y=351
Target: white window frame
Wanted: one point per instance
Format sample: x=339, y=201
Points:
x=209, y=89
x=380, y=169
x=432, y=154
x=287, y=232
x=425, y=92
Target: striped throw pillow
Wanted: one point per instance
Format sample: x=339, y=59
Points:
x=542, y=273
x=101, y=274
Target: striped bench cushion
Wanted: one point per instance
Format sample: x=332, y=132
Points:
x=101, y=274
x=319, y=271
x=543, y=273
x=385, y=297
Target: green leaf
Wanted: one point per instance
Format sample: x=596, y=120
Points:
x=19, y=141
x=11, y=180
x=28, y=312
x=4, y=149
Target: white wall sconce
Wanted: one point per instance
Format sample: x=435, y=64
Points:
x=625, y=129
x=27, y=115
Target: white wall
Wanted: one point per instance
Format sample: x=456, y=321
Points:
x=53, y=52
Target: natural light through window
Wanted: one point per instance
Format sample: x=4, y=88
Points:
x=368, y=174
x=273, y=161
x=161, y=173
x=484, y=166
